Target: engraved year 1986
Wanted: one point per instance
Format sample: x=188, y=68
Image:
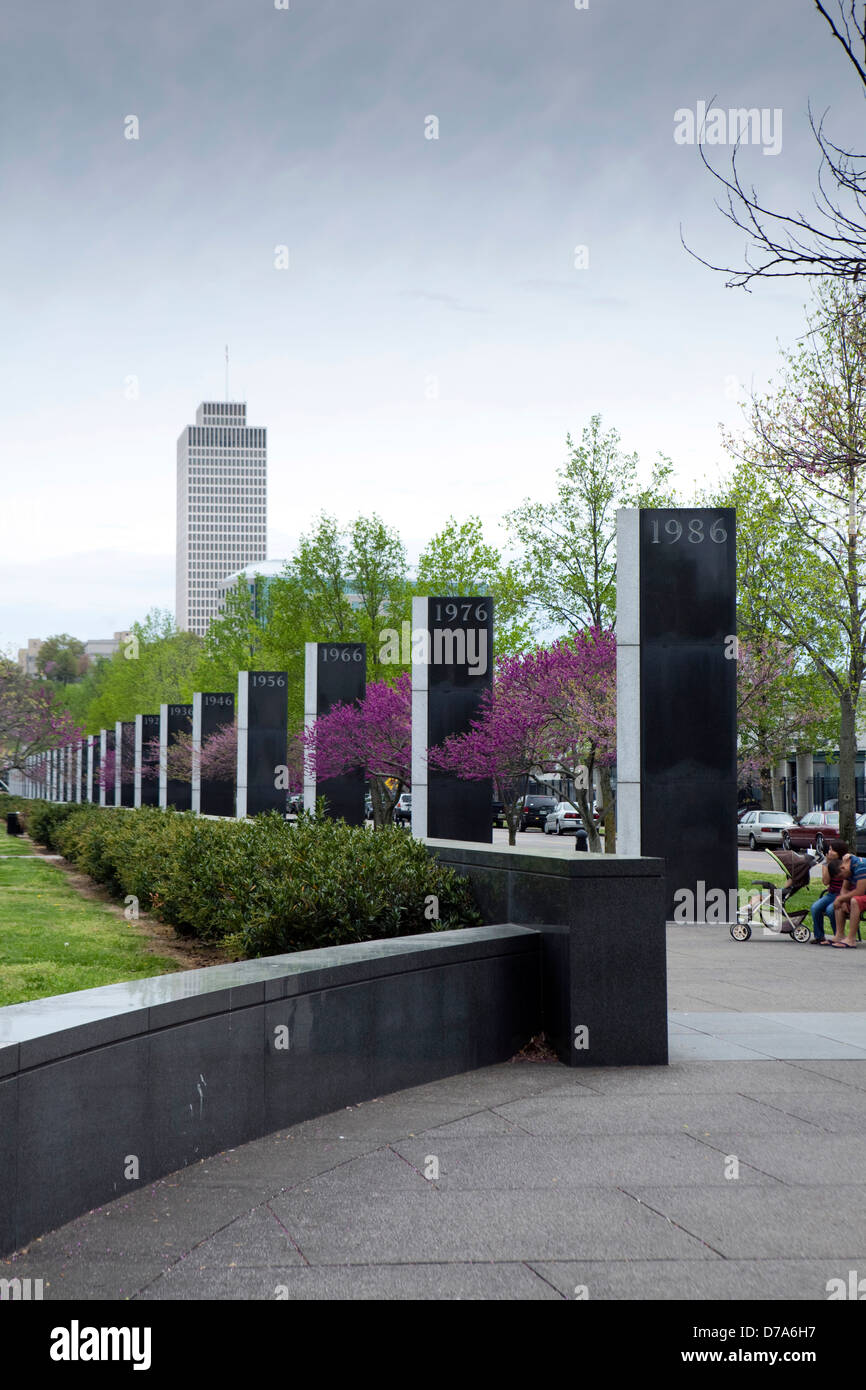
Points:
x=696, y=532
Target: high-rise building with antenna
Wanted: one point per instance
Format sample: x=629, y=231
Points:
x=222, y=478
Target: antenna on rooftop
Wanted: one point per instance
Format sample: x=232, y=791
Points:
x=227, y=373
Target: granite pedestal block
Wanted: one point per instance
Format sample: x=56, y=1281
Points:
x=602, y=921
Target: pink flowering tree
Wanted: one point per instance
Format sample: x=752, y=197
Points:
x=32, y=721
x=219, y=753
x=375, y=734
x=107, y=768
x=575, y=690
x=506, y=742
x=551, y=711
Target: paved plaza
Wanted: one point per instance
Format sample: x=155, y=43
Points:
x=532, y=1181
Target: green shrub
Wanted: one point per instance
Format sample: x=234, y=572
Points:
x=262, y=887
x=43, y=819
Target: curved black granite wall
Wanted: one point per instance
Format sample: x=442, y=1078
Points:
x=108, y=1089
x=146, y=1077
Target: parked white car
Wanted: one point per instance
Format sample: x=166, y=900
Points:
x=564, y=820
x=759, y=828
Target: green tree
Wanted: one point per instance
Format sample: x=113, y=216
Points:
x=320, y=572
x=156, y=667
x=344, y=584
x=376, y=564
x=569, y=562
x=236, y=640
x=61, y=658
x=803, y=460
x=458, y=560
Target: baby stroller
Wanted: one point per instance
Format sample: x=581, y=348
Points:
x=767, y=907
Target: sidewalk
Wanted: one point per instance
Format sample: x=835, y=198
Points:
x=549, y=1179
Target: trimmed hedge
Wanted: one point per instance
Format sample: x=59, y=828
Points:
x=262, y=886
x=42, y=819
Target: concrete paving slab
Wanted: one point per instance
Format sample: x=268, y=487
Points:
x=662, y=1114
x=843, y=1073
x=331, y=1226
x=829, y=1111
x=381, y=1173
x=78, y=1278
x=482, y=1123
x=391, y=1283
x=730, y=1024
x=779, y=1222
x=714, y=1077
x=816, y=1160
x=707, y=1280
x=701, y=1048
x=266, y=1166
x=489, y=1085
x=165, y=1220
x=380, y=1122
x=524, y=1163
x=252, y=1240
x=793, y=1045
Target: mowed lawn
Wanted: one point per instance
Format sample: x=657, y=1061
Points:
x=53, y=941
x=804, y=898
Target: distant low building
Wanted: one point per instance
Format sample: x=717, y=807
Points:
x=258, y=578
x=27, y=656
x=105, y=646
x=95, y=649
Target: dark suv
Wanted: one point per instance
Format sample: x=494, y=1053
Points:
x=534, y=810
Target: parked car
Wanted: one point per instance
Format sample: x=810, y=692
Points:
x=811, y=831
x=534, y=810
x=498, y=813
x=403, y=810
x=759, y=828
x=564, y=820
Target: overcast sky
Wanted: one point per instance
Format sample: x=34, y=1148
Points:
x=432, y=340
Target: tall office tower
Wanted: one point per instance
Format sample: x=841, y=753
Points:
x=221, y=506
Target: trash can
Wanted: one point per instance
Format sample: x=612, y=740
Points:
x=13, y=823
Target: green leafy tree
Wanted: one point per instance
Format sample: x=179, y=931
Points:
x=236, y=640
x=782, y=706
x=376, y=564
x=61, y=659
x=801, y=473
x=156, y=666
x=458, y=560
x=569, y=561
x=321, y=573
x=344, y=584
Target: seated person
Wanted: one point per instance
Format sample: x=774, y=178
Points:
x=851, y=902
x=834, y=881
